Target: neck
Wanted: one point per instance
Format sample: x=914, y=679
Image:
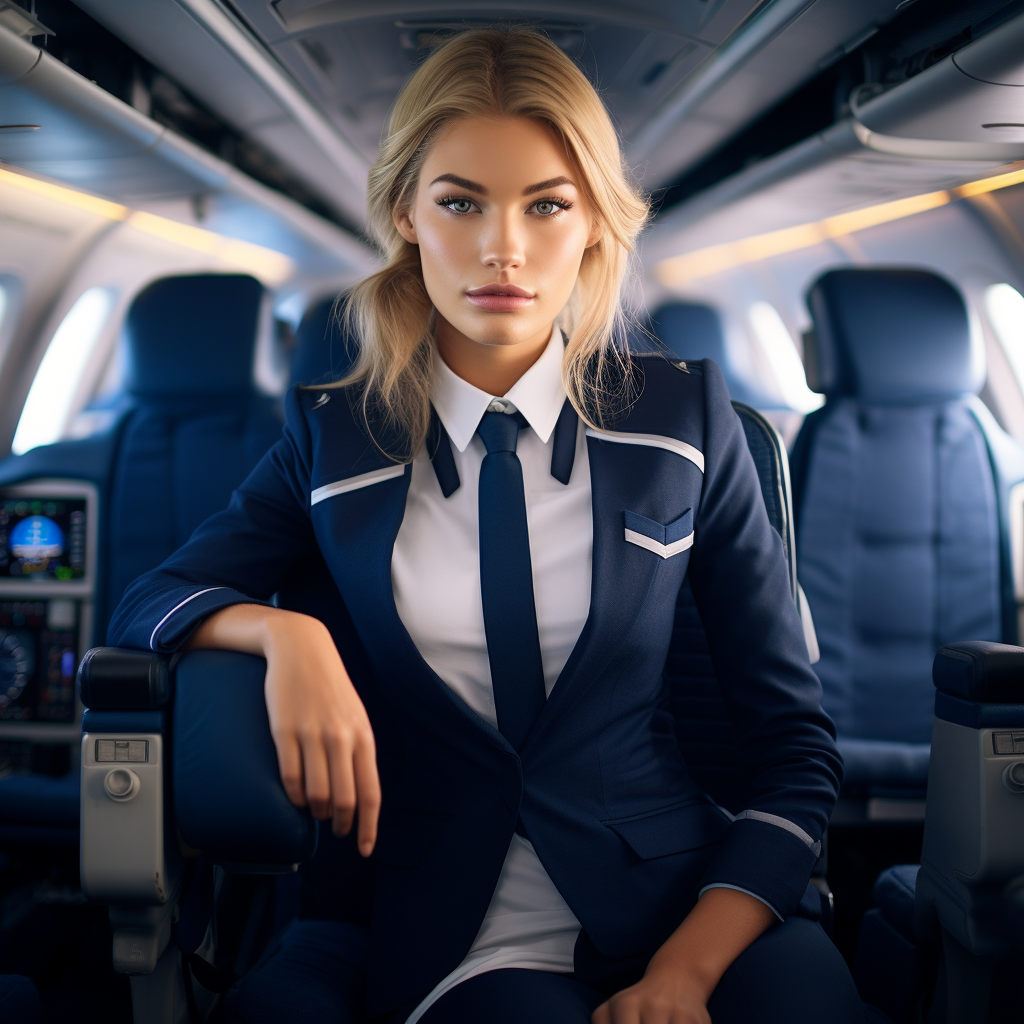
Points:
x=491, y=368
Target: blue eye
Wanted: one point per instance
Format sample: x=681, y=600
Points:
x=550, y=207
x=457, y=205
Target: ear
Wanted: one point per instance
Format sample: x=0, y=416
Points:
x=596, y=233
x=405, y=226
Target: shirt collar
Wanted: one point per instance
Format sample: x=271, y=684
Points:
x=539, y=395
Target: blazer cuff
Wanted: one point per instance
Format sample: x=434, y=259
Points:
x=186, y=609
x=766, y=860
x=726, y=885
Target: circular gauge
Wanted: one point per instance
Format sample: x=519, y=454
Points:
x=17, y=663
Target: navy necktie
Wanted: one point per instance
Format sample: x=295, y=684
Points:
x=506, y=581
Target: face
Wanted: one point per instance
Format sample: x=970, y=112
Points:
x=501, y=228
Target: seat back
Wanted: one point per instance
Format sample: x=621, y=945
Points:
x=323, y=351
x=192, y=428
x=902, y=544
x=703, y=725
x=198, y=426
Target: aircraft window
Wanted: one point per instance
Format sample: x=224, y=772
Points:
x=53, y=389
x=1004, y=306
x=780, y=350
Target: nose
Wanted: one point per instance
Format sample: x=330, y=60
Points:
x=503, y=247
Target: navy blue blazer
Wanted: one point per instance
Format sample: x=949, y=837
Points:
x=601, y=787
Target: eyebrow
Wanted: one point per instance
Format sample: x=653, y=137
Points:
x=543, y=186
x=454, y=179
x=473, y=186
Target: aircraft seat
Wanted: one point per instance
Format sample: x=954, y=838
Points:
x=960, y=913
x=19, y=1000
x=693, y=331
x=191, y=428
x=322, y=352
x=902, y=483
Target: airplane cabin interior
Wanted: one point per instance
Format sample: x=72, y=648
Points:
x=837, y=195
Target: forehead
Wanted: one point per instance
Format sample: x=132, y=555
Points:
x=498, y=152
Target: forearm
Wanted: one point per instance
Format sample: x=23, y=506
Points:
x=684, y=973
x=250, y=628
x=718, y=929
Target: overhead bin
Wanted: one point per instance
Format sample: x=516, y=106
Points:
x=970, y=103
x=918, y=140
x=81, y=135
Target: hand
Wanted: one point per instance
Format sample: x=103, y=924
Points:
x=325, y=746
x=655, y=999
x=686, y=970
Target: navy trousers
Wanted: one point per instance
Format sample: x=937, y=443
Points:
x=793, y=974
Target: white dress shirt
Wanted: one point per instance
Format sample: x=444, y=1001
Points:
x=435, y=572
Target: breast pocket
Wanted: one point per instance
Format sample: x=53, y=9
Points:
x=664, y=540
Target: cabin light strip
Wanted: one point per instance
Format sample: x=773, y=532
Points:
x=265, y=263
x=714, y=259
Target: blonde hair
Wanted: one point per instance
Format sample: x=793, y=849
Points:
x=505, y=73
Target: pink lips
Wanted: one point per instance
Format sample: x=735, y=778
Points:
x=499, y=298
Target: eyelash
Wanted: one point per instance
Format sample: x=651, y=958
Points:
x=562, y=204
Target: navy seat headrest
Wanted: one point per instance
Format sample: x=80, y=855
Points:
x=323, y=351
x=193, y=335
x=693, y=331
x=889, y=336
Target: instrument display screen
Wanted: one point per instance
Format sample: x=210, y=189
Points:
x=42, y=538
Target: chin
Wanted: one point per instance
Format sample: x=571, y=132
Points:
x=497, y=331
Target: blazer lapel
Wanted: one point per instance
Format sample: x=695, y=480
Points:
x=356, y=529
x=622, y=576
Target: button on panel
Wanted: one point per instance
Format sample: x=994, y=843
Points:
x=135, y=751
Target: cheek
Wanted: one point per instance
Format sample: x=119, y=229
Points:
x=442, y=249
x=557, y=254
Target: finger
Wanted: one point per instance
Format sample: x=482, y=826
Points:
x=317, y=776
x=367, y=793
x=289, y=762
x=343, y=786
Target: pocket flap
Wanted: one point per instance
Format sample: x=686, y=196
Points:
x=406, y=833
x=672, y=830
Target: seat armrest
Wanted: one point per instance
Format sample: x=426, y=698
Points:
x=228, y=797
x=980, y=671
x=117, y=679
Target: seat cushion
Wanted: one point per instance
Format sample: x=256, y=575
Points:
x=889, y=967
x=40, y=799
x=315, y=971
x=894, y=893
x=898, y=551
x=19, y=1001
x=868, y=763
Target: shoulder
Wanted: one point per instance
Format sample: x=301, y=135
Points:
x=674, y=398
x=327, y=423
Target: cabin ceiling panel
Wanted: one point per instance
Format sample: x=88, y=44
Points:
x=174, y=38
x=354, y=57
x=815, y=35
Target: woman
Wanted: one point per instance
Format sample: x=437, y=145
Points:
x=508, y=506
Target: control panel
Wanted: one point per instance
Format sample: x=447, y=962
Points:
x=48, y=534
